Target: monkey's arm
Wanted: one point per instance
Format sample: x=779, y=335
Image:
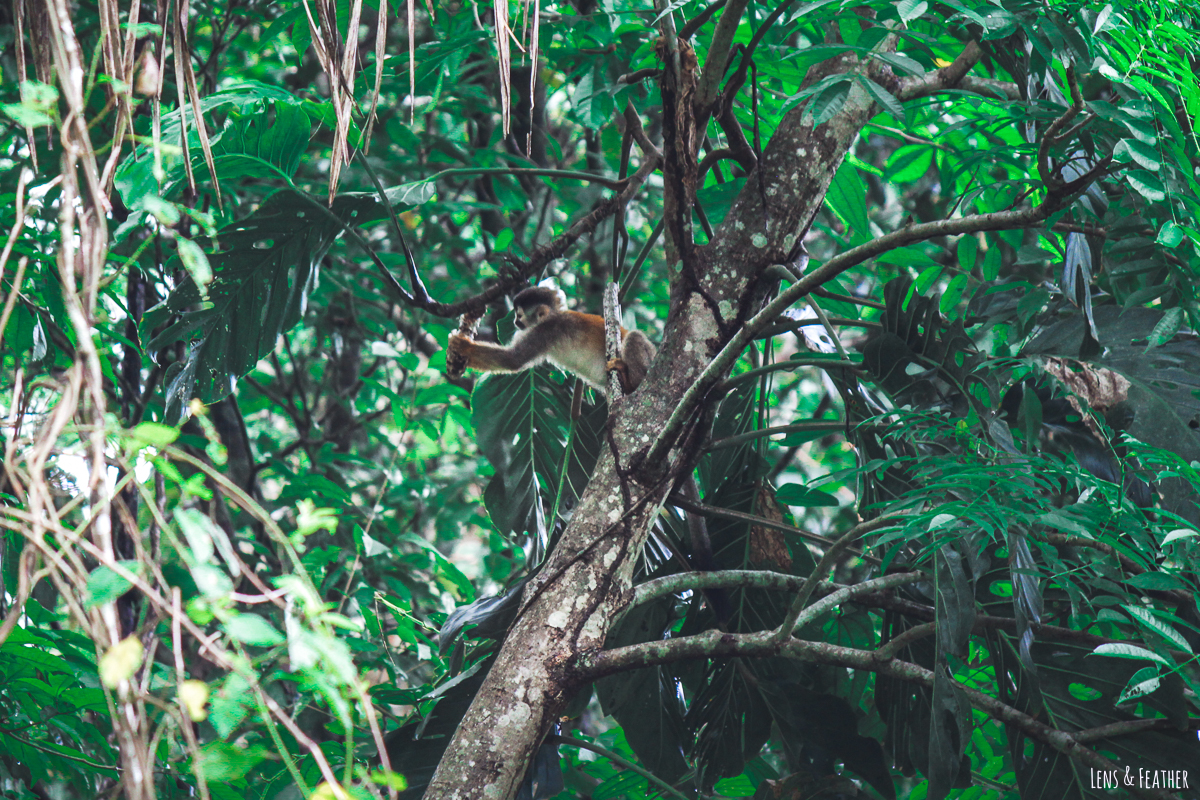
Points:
x=466, y=353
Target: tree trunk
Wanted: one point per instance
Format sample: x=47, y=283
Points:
x=567, y=610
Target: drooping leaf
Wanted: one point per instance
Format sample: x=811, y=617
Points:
x=645, y=702
x=522, y=423
x=264, y=271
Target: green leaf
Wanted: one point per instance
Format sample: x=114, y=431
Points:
x=795, y=494
x=253, y=629
x=909, y=163
x=1156, y=581
x=104, y=585
x=885, y=99
x=223, y=762
x=911, y=9
x=196, y=263
x=1150, y=622
x=737, y=786
x=412, y=194
x=1142, y=682
x=1121, y=650
x=1147, y=185
x=952, y=295
x=1167, y=327
x=26, y=116
x=1170, y=235
x=829, y=102
x=523, y=424
x=263, y=274
x=967, y=252
x=1179, y=533
x=847, y=197
x=1137, y=150
x=1031, y=418
x=154, y=433
x=273, y=147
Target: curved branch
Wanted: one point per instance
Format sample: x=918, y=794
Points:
x=1006, y=89
x=832, y=601
x=948, y=77
x=544, y=254
x=718, y=56
x=1057, y=197
x=696, y=22
x=617, y=758
x=826, y=563
x=713, y=644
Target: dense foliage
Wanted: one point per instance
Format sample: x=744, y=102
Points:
x=257, y=544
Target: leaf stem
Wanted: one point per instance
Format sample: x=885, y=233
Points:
x=571, y=741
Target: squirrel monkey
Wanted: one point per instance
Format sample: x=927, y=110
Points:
x=548, y=331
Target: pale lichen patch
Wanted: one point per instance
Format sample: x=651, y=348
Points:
x=518, y=715
x=558, y=619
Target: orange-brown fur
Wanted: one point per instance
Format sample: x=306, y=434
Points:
x=548, y=331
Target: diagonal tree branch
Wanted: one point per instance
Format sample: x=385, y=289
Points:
x=764, y=644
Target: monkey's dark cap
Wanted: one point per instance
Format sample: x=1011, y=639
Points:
x=536, y=295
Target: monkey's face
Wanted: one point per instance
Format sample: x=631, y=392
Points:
x=529, y=316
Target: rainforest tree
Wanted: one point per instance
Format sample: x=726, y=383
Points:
x=905, y=507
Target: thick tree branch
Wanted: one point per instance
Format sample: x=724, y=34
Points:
x=824, y=565
x=948, y=77
x=539, y=257
x=1006, y=89
x=695, y=23
x=805, y=615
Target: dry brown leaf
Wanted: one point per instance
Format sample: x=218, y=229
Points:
x=19, y=24
x=412, y=61
x=768, y=547
x=1100, y=388
x=534, y=41
x=504, y=56
x=380, y=53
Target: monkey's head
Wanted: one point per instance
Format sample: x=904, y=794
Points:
x=536, y=303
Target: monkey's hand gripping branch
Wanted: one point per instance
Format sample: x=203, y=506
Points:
x=456, y=358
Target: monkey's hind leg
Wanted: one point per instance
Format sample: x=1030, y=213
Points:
x=636, y=354
x=619, y=366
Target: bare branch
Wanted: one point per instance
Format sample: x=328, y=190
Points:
x=717, y=60
x=948, y=77
x=714, y=644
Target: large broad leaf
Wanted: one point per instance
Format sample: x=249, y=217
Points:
x=818, y=730
x=645, y=702
x=264, y=270
x=1073, y=691
x=728, y=716
x=731, y=719
x=259, y=146
x=523, y=426
x=249, y=132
